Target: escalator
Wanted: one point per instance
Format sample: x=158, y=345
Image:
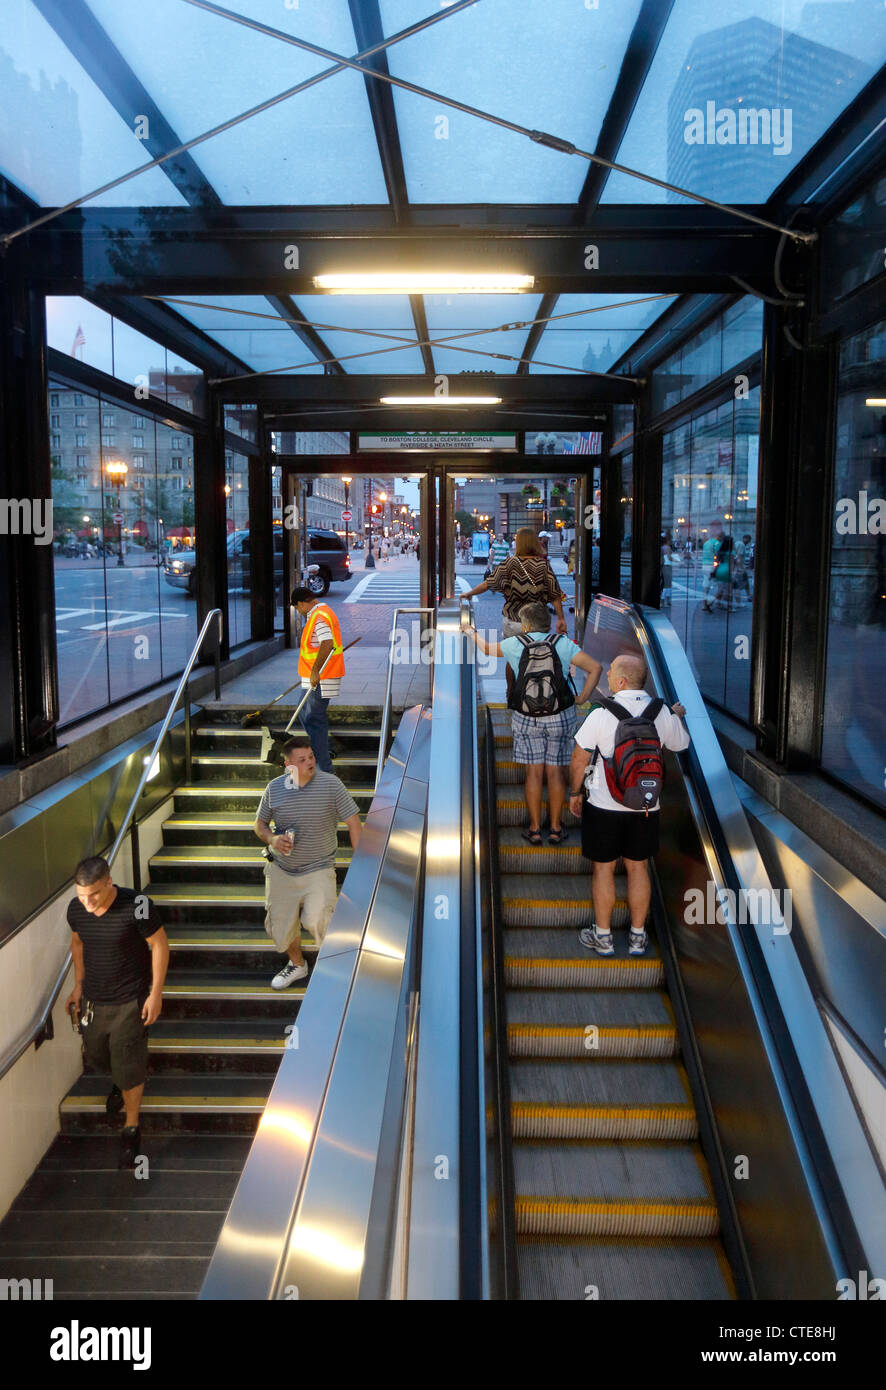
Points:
x=612, y=1194
x=677, y=1125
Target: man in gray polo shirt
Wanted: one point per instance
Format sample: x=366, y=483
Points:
x=305, y=806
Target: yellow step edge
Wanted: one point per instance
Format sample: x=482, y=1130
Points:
x=231, y=1045
x=232, y=991
x=635, y=1207
x=171, y=1102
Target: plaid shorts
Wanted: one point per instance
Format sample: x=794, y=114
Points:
x=549, y=739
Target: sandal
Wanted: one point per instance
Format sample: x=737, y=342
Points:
x=556, y=837
x=533, y=837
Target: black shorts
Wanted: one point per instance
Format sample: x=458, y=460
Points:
x=608, y=835
x=116, y=1041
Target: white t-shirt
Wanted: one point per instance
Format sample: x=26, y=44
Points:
x=598, y=731
x=322, y=633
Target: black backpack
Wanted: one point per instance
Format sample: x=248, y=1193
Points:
x=635, y=772
x=541, y=688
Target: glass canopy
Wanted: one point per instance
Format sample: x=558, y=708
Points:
x=730, y=104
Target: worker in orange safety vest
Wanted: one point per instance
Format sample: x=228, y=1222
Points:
x=320, y=638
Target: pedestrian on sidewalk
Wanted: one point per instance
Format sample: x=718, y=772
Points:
x=610, y=828
x=320, y=639
x=121, y=953
x=305, y=806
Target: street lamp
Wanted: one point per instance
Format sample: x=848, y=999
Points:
x=370, y=558
x=347, y=483
x=117, y=472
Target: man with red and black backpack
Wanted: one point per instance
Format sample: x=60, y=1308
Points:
x=618, y=762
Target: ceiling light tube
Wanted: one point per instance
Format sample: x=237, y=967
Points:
x=425, y=282
x=440, y=400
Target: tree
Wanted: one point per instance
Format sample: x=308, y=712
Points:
x=467, y=523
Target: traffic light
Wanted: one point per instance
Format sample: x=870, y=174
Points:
x=374, y=509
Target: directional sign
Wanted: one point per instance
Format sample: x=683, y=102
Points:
x=346, y=515
x=119, y=518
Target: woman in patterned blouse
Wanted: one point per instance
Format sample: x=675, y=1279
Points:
x=524, y=577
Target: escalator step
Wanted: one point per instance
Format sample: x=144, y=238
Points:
x=517, y=856
x=613, y=1189
x=545, y=1040
x=589, y=1024
x=605, y=1099
x=585, y=971
x=622, y=1269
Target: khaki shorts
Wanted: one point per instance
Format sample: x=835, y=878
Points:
x=293, y=901
x=116, y=1041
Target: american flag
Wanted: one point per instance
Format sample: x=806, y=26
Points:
x=79, y=340
x=588, y=442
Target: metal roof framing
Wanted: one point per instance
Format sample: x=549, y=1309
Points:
x=88, y=42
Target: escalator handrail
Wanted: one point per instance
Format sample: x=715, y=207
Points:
x=389, y=690
x=506, y=1185
x=448, y=1252
x=817, y=1107
x=39, y=1022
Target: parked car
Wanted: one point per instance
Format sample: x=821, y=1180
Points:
x=326, y=550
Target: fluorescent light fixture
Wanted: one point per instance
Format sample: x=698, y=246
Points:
x=876, y=400
x=440, y=400
x=425, y=282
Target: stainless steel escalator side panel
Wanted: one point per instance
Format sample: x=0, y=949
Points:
x=327, y=1242
x=435, y=1252
x=732, y=1018
x=254, y=1244
x=842, y=923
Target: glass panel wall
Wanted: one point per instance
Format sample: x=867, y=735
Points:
x=854, y=733
x=626, y=527
x=239, y=557
x=709, y=494
x=123, y=538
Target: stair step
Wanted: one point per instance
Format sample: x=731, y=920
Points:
x=207, y=985
x=208, y=1036
x=223, y=939
x=227, y=865
x=201, y=1152
x=612, y=1190
x=220, y=828
x=220, y=1101
x=246, y=796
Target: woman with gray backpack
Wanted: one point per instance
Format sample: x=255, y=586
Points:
x=544, y=719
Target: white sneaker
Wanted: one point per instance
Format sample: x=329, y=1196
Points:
x=601, y=942
x=289, y=974
x=637, y=942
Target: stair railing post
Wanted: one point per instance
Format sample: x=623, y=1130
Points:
x=188, y=766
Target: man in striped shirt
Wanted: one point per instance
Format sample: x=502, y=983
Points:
x=305, y=806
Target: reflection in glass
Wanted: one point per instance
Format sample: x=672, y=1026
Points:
x=854, y=734
x=709, y=497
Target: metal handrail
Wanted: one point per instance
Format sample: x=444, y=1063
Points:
x=42, y=1026
x=181, y=688
x=389, y=692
